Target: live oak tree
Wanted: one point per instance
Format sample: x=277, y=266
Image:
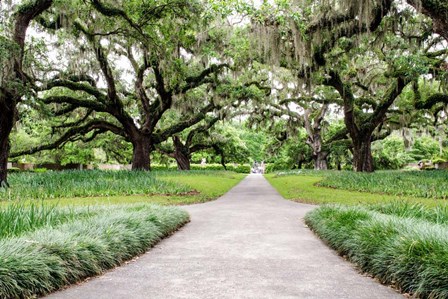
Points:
x=297, y=106
x=14, y=79
x=369, y=90
x=159, y=44
x=193, y=140
x=323, y=39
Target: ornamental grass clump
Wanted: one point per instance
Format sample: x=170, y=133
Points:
x=90, y=183
x=409, y=251
x=18, y=218
x=428, y=184
x=49, y=258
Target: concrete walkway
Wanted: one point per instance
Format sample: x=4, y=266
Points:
x=251, y=243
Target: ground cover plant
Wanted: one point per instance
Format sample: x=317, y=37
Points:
x=114, y=187
x=202, y=186
x=239, y=168
x=402, y=244
x=36, y=262
x=76, y=183
x=428, y=184
x=307, y=187
x=18, y=218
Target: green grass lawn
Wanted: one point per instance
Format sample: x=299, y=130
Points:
x=428, y=184
x=303, y=188
x=98, y=188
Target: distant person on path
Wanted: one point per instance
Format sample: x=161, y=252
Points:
x=255, y=167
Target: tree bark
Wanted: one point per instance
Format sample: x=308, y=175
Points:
x=181, y=154
x=362, y=154
x=320, y=161
x=4, y=151
x=183, y=162
x=10, y=96
x=8, y=114
x=141, y=153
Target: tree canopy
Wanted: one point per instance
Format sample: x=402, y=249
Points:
x=161, y=76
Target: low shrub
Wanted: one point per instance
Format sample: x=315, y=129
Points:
x=398, y=248
x=48, y=259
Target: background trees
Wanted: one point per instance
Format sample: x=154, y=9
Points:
x=162, y=75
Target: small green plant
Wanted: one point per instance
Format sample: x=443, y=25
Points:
x=40, y=170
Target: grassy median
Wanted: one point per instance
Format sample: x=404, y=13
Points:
x=57, y=228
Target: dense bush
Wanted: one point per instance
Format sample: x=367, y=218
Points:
x=390, y=154
x=47, y=259
x=431, y=184
x=403, y=247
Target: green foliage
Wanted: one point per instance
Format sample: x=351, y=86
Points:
x=425, y=148
x=390, y=154
x=428, y=184
x=398, y=244
x=18, y=218
x=199, y=185
x=305, y=186
x=86, y=184
x=207, y=168
x=52, y=257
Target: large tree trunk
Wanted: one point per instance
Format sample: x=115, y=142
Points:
x=181, y=154
x=8, y=113
x=4, y=152
x=319, y=156
x=362, y=155
x=141, y=153
x=183, y=162
x=13, y=72
x=320, y=161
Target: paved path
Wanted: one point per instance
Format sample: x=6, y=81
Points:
x=251, y=243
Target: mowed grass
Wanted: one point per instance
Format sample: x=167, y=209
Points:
x=109, y=187
x=307, y=188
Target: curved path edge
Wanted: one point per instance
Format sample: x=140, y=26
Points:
x=250, y=243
